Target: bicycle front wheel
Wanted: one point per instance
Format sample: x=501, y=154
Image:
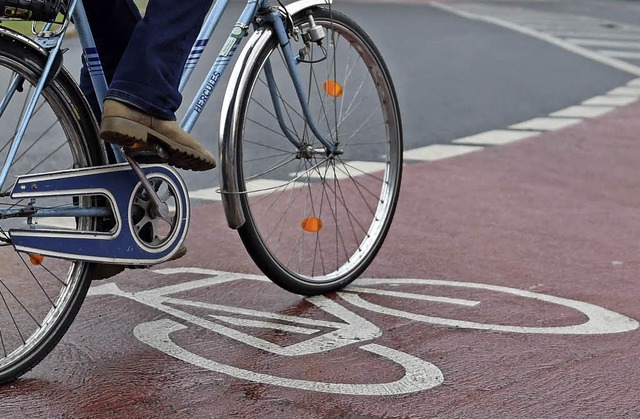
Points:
x=314, y=222
x=39, y=296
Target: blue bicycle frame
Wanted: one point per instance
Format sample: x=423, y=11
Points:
x=271, y=16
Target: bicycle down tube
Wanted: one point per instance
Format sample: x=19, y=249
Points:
x=239, y=31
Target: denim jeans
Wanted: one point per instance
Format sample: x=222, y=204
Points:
x=143, y=58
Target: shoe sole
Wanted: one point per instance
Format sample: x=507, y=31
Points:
x=130, y=134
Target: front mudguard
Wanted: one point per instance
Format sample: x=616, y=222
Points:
x=231, y=114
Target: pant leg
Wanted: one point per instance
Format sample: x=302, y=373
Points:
x=112, y=23
x=148, y=75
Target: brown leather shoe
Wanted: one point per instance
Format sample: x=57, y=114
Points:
x=131, y=129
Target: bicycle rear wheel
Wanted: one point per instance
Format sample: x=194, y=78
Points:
x=39, y=297
x=313, y=222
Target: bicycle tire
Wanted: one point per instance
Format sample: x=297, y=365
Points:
x=40, y=297
x=314, y=224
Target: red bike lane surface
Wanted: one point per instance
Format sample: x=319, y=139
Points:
x=507, y=287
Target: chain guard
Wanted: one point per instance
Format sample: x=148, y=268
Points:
x=119, y=185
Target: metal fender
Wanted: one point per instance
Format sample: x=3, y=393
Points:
x=18, y=37
x=228, y=145
x=31, y=44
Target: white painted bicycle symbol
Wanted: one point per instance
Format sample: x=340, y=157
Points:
x=351, y=329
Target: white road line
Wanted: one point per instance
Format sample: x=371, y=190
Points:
x=413, y=296
x=439, y=151
x=208, y=194
x=625, y=91
x=348, y=169
x=546, y=124
x=496, y=137
x=631, y=36
x=261, y=186
x=605, y=43
x=583, y=111
x=621, y=54
x=267, y=185
x=610, y=100
x=576, y=49
x=563, y=27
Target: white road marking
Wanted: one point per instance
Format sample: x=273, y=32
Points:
x=621, y=54
x=610, y=100
x=546, y=124
x=496, y=137
x=347, y=170
x=349, y=330
x=625, y=91
x=583, y=111
x=261, y=186
x=576, y=49
x=600, y=320
x=207, y=194
x=413, y=296
x=419, y=375
x=631, y=36
x=606, y=43
x=255, y=187
x=265, y=325
x=439, y=151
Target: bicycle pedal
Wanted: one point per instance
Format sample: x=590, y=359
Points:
x=148, y=153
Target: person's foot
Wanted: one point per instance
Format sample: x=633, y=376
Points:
x=132, y=129
x=105, y=270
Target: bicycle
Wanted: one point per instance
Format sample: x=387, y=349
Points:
x=310, y=165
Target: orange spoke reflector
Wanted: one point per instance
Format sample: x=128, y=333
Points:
x=311, y=224
x=333, y=88
x=36, y=259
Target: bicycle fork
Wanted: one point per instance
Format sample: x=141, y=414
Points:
x=315, y=33
x=271, y=22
